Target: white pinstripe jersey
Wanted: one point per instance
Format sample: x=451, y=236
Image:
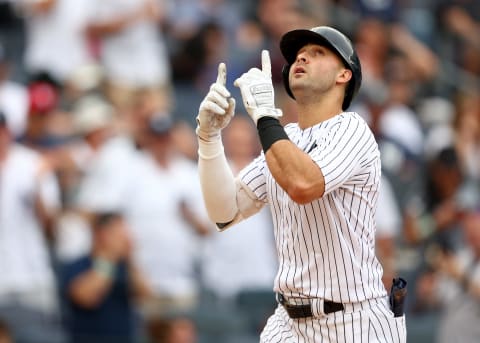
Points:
x=326, y=248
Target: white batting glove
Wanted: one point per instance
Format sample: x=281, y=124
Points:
x=257, y=91
x=217, y=108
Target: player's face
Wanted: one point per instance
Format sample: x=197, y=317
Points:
x=316, y=70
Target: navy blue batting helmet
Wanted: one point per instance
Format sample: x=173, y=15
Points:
x=293, y=41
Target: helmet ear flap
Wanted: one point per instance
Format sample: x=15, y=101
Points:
x=285, y=73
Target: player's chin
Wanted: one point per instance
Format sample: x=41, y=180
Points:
x=296, y=77
x=297, y=86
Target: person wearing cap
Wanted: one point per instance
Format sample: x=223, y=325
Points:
x=93, y=121
x=29, y=204
x=320, y=177
x=104, y=155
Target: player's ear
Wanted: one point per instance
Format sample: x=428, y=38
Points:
x=344, y=76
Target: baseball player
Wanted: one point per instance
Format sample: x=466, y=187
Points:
x=320, y=177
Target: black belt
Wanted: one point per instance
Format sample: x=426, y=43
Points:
x=305, y=311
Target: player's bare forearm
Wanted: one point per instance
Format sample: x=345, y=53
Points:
x=295, y=172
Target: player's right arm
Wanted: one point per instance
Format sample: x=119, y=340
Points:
x=227, y=200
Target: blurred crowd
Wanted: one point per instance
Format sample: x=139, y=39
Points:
x=103, y=233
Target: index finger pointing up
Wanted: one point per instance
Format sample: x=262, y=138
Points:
x=222, y=74
x=266, y=64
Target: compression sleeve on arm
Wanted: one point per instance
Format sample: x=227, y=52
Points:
x=247, y=202
x=217, y=181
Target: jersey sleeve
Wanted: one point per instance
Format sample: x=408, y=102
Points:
x=253, y=176
x=346, y=152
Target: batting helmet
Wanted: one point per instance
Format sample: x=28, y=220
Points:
x=293, y=41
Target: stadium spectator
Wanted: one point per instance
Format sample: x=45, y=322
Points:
x=29, y=203
x=132, y=50
x=458, y=285
x=13, y=96
x=54, y=27
x=99, y=288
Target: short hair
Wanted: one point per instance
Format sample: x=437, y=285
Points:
x=101, y=219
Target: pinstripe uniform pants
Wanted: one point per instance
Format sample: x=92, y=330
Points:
x=371, y=321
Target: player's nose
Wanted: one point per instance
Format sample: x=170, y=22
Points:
x=301, y=57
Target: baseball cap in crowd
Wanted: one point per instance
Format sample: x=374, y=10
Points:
x=91, y=113
x=160, y=124
x=86, y=77
x=43, y=97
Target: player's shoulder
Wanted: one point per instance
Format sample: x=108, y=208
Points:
x=344, y=119
x=352, y=117
x=359, y=123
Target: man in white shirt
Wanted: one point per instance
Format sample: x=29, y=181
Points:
x=29, y=199
x=56, y=38
x=13, y=97
x=133, y=51
x=167, y=216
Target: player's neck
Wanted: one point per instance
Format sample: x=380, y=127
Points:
x=314, y=112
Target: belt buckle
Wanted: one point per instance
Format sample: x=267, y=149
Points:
x=295, y=311
x=292, y=301
x=317, y=307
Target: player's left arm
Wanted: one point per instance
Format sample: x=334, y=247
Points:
x=293, y=169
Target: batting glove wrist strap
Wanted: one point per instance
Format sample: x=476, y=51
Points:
x=266, y=112
x=207, y=135
x=270, y=130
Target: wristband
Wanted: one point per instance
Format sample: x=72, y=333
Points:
x=104, y=267
x=270, y=130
